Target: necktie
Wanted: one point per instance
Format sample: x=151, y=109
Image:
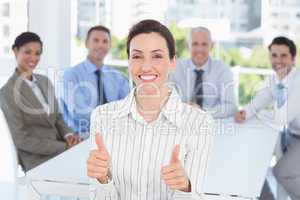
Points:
x=198, y=88
x=101, y=94
x=285, y=136
x=281, y=95
x=280, y=100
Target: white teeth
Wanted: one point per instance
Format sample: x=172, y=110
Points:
x=147, y=77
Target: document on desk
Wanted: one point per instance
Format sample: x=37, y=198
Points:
x=241, y=157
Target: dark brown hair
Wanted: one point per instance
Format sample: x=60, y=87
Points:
x=97, y=28
x=152, y=26
x=287, y=42
x=26, y=37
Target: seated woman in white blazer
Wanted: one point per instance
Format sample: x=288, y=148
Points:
x=149, y=145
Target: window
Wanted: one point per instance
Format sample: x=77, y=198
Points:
x=6, y=49
x=6, y=31
x=243, y=27
x=13, y=21
x=4, y=9
x=274, y=14
x=286, y=27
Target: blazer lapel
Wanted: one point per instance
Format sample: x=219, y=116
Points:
x=33, y=105
x=49, y=97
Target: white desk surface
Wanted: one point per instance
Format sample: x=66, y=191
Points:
x=69, y=166
x=241, y=156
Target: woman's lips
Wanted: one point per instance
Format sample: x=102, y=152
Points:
x=148, y=78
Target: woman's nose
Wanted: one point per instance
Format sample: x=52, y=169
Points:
x=146, y=65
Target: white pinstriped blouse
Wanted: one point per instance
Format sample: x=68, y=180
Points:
x=139, y=150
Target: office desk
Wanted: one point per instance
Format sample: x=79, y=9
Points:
x=63, y=175
x=241, y=156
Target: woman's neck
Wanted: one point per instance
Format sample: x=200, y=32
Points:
x=149, y=105
x=25, y=74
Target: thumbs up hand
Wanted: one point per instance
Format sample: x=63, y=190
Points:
x=98, y=162
x=174, y=174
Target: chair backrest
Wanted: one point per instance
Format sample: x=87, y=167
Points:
x=8, y=160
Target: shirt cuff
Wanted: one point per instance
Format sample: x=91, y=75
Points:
x=105, y=186
x=68, y=134
x=103, y=191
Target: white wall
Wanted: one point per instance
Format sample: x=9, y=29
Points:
x=17, y=24
x=51, y=19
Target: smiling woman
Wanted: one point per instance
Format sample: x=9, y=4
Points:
x=149, y=145
x=30, y=107
x=149, y=63
x=27, y=49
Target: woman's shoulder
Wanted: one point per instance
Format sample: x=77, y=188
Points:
x=191, y=110
x=111, y=110
x=7, y=93
x=6, y=89
x=195, y=116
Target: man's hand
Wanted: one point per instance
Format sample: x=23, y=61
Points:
x=240, y=116
x=72, y=140
x=174, y=174
x=98, y=162
x=194, y=104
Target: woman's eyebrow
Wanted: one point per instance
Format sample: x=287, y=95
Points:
x=157, y=50
x=137, y=50
x=153, y=51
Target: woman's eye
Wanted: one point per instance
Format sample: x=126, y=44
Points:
x=157, y=56
x=135, y=57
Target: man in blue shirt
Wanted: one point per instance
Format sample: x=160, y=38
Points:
x=91, y=83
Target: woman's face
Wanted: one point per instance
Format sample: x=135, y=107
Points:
x=28, y=56
x=149, y=62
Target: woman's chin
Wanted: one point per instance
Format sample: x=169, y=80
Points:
x=148, y=89
x=26, y=69
x=29, y=69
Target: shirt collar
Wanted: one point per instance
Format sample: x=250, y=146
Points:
x=171, y=111
x=173, y=108
x=91, y=67
x=204, y=67
x=31, y=83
